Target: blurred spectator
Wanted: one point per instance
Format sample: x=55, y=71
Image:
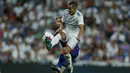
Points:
x=100, y=52
x=11, y=50
x=111, y=49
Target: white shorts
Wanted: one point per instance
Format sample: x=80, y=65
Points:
x=71, y=40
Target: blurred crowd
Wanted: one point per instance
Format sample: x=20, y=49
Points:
x=23, y=22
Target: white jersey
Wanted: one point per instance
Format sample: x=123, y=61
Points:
x=72, y=22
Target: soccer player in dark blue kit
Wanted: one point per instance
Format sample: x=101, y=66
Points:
x=69, y=33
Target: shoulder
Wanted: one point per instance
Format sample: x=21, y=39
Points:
x=78, y=13
x=66, y=11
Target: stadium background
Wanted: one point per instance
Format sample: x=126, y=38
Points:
x=105, y=45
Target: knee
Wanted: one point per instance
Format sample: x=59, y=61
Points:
x=66, y=50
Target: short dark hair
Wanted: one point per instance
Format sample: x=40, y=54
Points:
x=58, y=17
x=74, y=4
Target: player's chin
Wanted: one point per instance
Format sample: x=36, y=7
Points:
x=58, y=25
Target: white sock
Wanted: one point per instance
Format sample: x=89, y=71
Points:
x=69, y=59
x=55, y=40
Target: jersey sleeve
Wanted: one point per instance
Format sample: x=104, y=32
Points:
x=80, y=19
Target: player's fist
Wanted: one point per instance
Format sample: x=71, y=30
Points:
x=59, y=29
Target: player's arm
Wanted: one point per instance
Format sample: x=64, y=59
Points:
x=81, y=30
x=81, y=27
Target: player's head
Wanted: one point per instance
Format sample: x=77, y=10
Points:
x=72, y=7
x=58, y=21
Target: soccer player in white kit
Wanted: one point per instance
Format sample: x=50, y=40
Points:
x=71, y=30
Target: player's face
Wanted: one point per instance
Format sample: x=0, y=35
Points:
x=58, y=21
x=71, y=9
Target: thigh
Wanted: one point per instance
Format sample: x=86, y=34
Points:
x=75, y=52
x=63, y=35
x=72, y=42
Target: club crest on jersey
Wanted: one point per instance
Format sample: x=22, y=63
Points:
x=71, y=20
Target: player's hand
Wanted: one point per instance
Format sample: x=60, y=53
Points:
x=59, y=29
